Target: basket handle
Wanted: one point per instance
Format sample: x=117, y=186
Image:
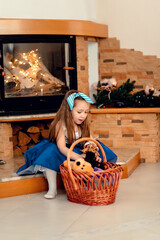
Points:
x=71, y=149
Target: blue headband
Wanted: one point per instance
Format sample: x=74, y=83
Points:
x=72, y=97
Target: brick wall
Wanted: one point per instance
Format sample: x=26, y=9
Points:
x=82, y=64
x=6, y=144
x=129, y=131
x=127, y=63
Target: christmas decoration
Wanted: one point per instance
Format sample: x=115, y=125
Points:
x=120, y=94
x=106, y=84
x=123, y=96
x=141, y=99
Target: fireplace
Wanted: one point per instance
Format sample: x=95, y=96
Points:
x=36, y=72
x=17, y=103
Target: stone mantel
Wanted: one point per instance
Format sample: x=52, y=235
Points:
x=125, y=110
x=21, y=118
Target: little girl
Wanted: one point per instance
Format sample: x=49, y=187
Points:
x=69, y=125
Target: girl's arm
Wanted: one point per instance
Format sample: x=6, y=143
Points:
x=62, y=145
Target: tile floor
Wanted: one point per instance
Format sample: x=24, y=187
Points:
x=135, y=215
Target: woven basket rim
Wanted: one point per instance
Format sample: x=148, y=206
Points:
x=109, y=170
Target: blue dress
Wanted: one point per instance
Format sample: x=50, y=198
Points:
x=46, y=154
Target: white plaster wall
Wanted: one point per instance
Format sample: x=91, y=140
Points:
x=136, y=23
x=48, y=9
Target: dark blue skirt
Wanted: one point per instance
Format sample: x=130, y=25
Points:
x=46, y=154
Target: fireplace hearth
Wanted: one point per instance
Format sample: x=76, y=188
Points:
x=36, y=72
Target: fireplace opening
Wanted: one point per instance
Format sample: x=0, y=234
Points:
x=36, y=72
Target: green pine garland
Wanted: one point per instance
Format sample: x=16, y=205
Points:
x=122, y=97
x=140, y=99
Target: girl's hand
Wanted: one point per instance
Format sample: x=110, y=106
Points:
x=98, y=159
x=83, y=155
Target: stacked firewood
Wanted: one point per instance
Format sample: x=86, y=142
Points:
x=25, y=136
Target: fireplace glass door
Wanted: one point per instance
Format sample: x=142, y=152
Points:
x=36, y=72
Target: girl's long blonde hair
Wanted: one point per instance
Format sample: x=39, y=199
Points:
x=64, y=116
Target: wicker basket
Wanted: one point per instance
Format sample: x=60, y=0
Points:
x=91, y=188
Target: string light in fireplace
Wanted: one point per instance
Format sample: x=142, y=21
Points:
x=31, y=58
x=28, y=71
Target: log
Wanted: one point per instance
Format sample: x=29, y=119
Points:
x=16, y=129
x=47, y=87
x=47, y=76
x=48, y=124
x=25, y=82
x=33, y=129
x=30, y=145
x=8, y=75
x=23, y=138
x=26, y=78
x=15, y=140
x=41, y=71
x=34, y=137
x=40, y=125
x=17, y=151
x=45, y=133
x=23, y=148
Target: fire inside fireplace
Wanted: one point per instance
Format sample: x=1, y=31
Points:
x=36, y=72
